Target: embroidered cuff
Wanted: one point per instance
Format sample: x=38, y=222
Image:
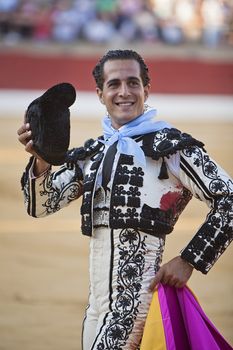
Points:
x=31, y=173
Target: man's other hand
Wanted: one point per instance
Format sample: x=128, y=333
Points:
x=174, y=273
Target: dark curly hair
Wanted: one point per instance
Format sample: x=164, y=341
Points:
x=98, y=73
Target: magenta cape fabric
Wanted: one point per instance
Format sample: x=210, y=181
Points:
x=186, y=327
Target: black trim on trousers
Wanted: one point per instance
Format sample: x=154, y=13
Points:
x=110, y=289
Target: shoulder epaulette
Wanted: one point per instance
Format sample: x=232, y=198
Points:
x=166, y=142
x=80, y=153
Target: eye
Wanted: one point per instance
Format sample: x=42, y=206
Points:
x=133, y=83
x=113, y=84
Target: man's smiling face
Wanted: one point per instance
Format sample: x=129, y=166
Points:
x=123, y=92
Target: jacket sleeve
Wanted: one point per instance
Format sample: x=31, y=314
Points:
x=51, y=191
x=210, y=183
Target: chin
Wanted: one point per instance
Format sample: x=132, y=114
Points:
x=120, y=120
x=125, y=121
x=127, y=118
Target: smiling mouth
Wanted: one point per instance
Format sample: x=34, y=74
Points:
x=124, y=104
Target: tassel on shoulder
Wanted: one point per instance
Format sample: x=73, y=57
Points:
x=163, y=171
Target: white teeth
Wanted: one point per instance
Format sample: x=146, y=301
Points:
x=125, y=103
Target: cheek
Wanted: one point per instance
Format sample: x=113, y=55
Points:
x=108, y=99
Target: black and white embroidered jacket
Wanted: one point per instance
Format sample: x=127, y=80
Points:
x=150, y=199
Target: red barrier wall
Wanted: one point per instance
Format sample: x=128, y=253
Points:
x=169, y=75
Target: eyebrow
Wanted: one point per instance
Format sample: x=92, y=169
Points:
x=112, y=81
x=116, y=80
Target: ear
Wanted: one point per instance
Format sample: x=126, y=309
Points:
x=146, y=91
x=100, y=95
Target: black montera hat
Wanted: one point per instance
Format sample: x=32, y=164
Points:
x=49, y=119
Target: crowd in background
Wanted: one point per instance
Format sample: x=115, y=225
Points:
x=209, y=22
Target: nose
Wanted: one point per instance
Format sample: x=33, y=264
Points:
x=124, y=90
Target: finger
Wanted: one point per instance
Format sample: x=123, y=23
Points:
x=29, y=146
x=168, y=278
x=156, y=280
x=174, y=283
x=179, y=284
x=153, y=285
x=25, y=137
x=23, y=128
x=165, y=279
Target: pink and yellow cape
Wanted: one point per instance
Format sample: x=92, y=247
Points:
x=176, y=321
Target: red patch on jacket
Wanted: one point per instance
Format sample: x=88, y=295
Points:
x=169, y=200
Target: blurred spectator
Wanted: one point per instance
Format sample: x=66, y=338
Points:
x=24, y=19
x=124, y=23
x=187, y=16
x=106, y=6
x=66, y=26
x=146, y=24
x=130, y=7
x=43, y=23
x=169, y=30
x=7, y=8
x=100, y=21
x=163, y=8
x=8, y=5
x=99, y=30
x=21, y=22
x=229, y=20
x=213, y=22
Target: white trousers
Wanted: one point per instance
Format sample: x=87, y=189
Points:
x=122, y=265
